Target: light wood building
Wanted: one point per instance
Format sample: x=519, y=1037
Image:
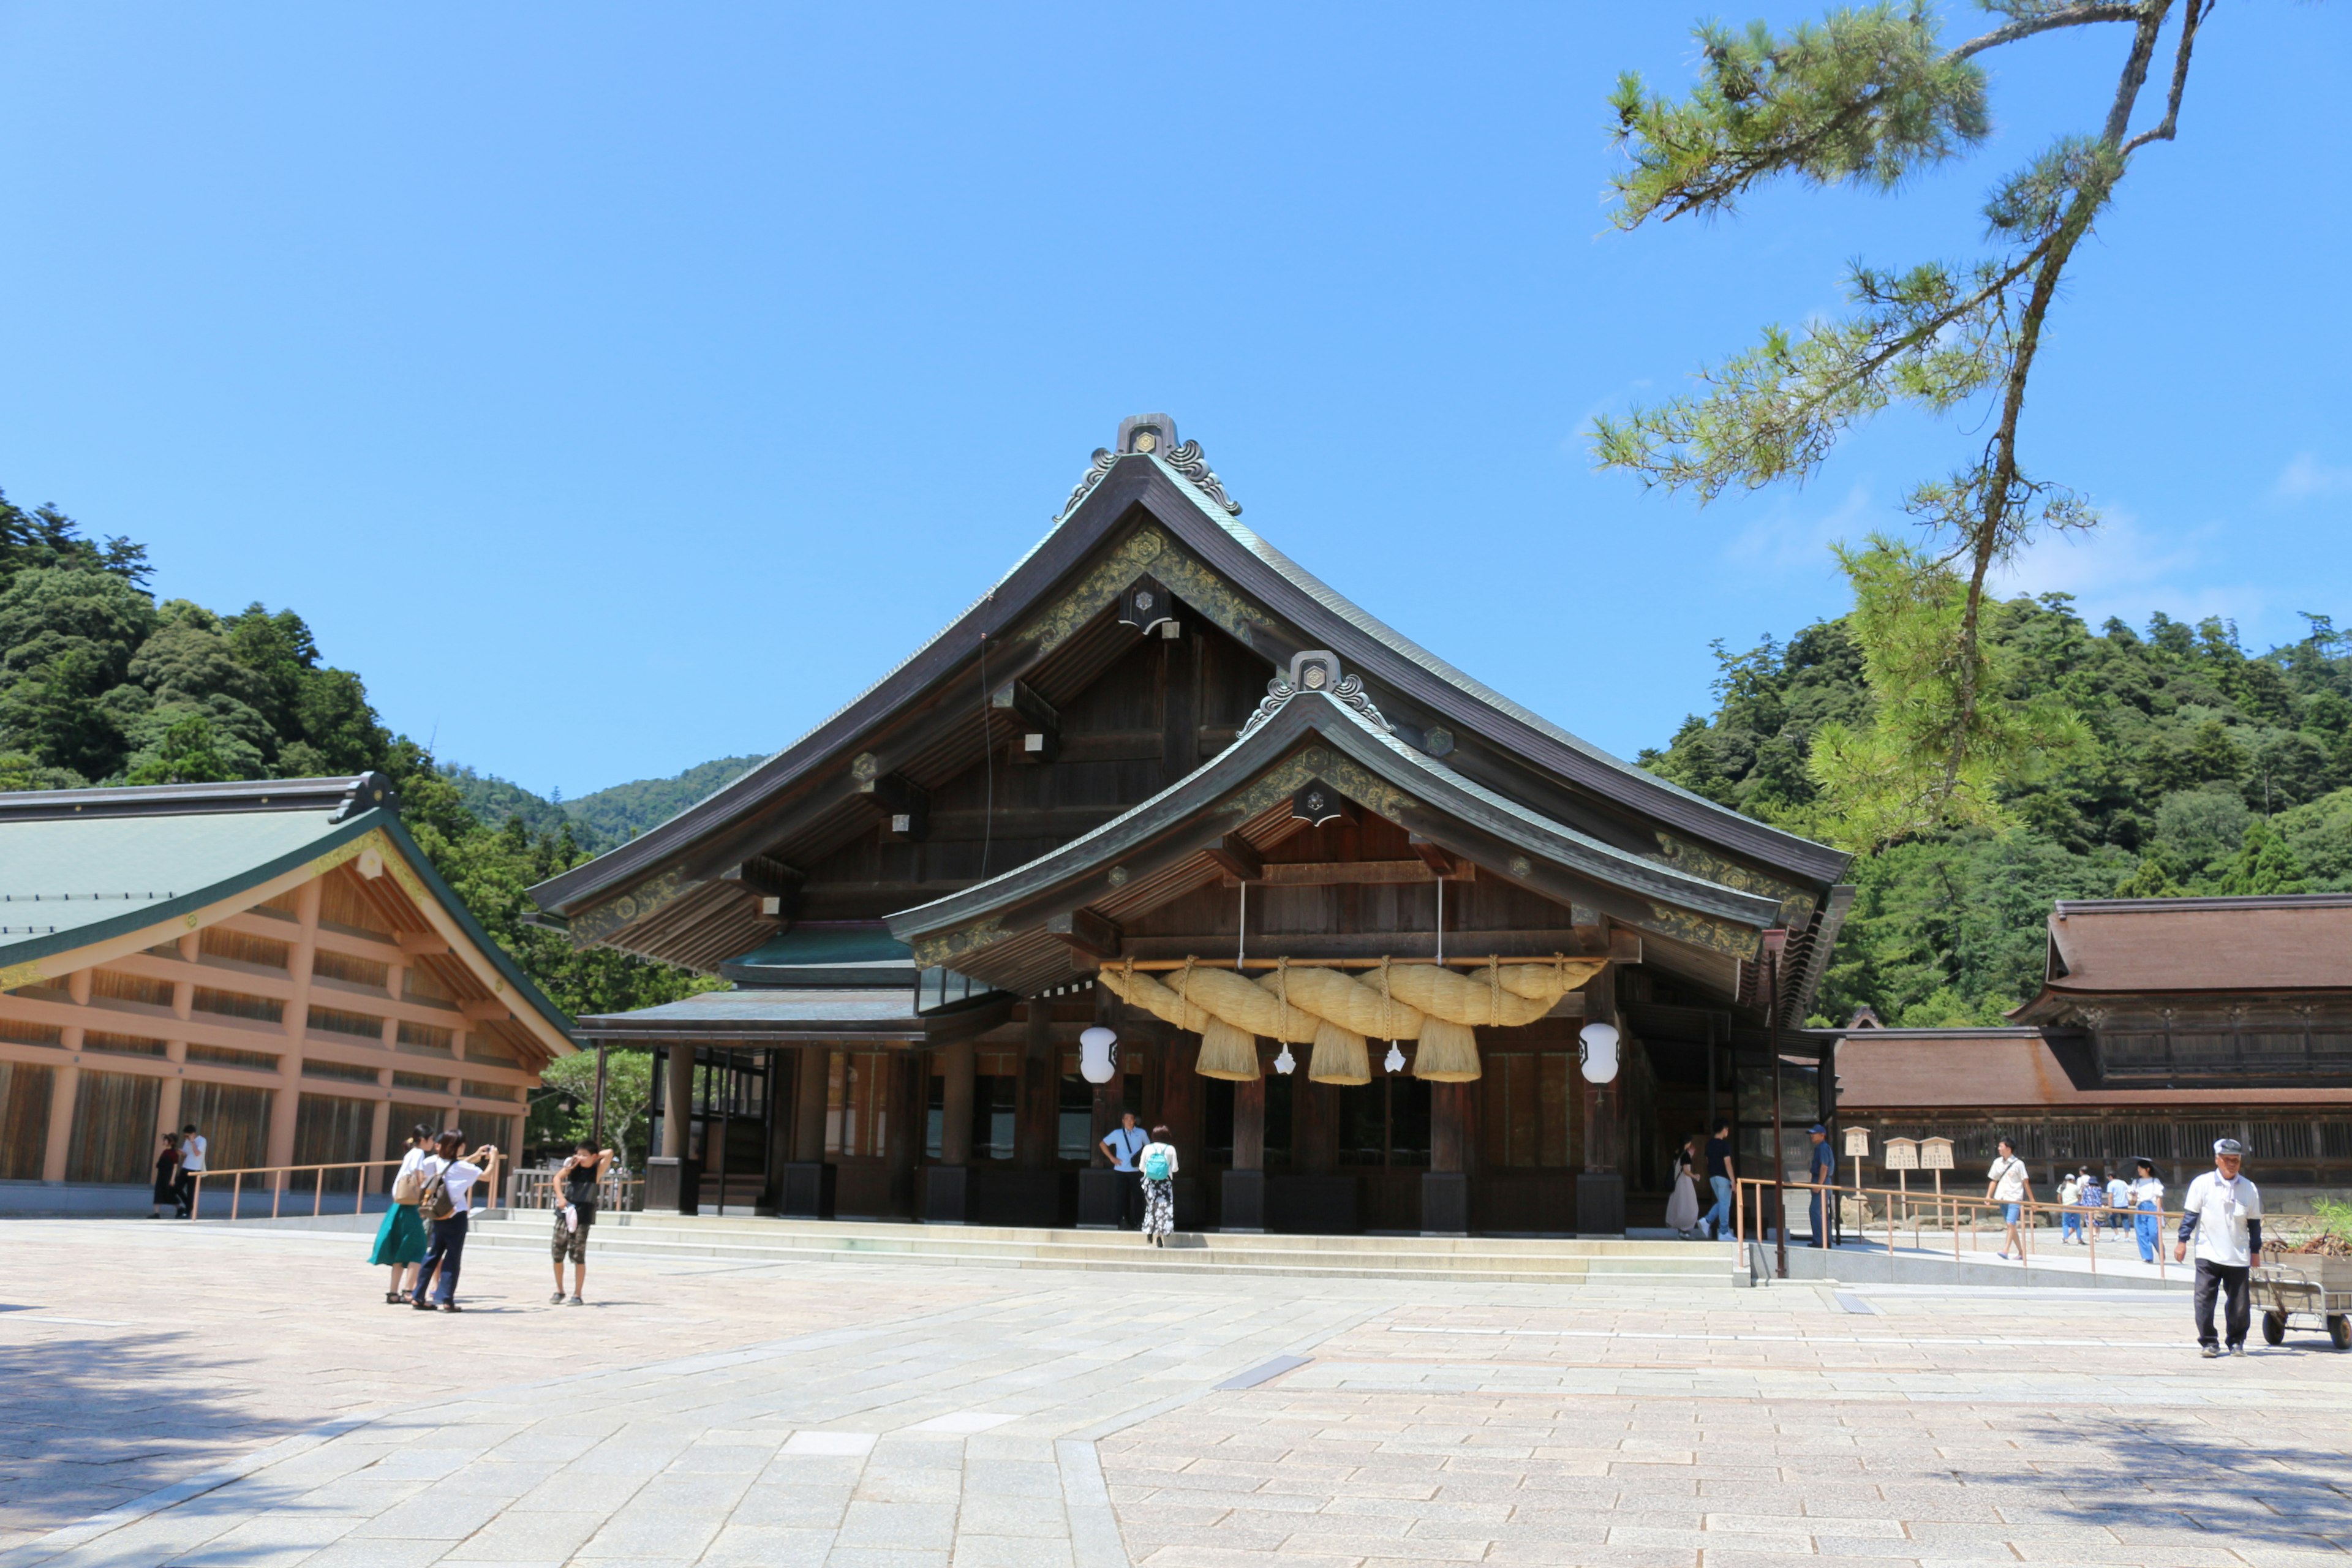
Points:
x=274, y=961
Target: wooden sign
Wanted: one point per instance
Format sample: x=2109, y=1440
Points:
x=1857, y=1142
x=1936, y=1154
x=1900, y=1154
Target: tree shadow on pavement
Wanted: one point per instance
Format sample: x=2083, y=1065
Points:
x=2236, y=1476
x=90, y=1422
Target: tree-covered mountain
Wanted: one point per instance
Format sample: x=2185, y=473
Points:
x=2209, y=770
x=101, y=685
x=603, y=818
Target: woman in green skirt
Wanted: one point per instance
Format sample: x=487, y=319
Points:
x=400, y=1239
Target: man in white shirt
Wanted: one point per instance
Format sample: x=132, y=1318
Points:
x=192, y=1161
x=451, y=1172
x=2223, y=1212
x=2008, y=1184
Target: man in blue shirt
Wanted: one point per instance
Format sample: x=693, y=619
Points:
x=1123, y=1143
x=1824, y=1177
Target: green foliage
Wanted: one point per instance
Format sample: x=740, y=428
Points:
x=1929, y=757
x=624, y=811
x=563, y=1112
x=1867, y=97
x=99, y=684
x=2166, y=796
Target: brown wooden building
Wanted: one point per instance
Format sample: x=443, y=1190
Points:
x=2161, y=1024
x=1159, y=742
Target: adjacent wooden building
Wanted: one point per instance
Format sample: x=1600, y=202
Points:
x=273, y=961
x=1158, y=749
x=2161, y=1024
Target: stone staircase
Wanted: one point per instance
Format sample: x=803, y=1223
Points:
x=744, y=1238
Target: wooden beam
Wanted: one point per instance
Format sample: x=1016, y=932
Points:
x=1358, y=873
x=766, y=876
x=1089, y=934
x=422, y=944
x=1440, y=859
x=1037, y=733
x=1239, y=856
x=906, y=806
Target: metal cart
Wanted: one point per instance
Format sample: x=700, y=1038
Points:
x=2318, y=1290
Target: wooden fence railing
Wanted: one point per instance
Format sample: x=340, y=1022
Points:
x=290, y=1178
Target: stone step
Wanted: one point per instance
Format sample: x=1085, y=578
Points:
x=1404, y=1257
x=899, y=1231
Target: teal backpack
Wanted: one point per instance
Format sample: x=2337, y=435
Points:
x=1155, y=1163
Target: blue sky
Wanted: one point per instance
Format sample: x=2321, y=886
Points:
x=617, y=387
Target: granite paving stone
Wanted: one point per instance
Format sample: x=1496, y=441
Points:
x=909, y=1415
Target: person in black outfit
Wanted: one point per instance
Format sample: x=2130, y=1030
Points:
x=1719, y=1179
x=167, y=1180
x=575, y=1211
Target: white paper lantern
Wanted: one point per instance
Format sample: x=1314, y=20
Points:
x=1599, y=1052
x=1097, y=1060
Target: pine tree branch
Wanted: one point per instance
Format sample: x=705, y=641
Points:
x=2190, y=19
x=2073, y=16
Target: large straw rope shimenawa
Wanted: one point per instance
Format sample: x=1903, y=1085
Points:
x=1339, y=1012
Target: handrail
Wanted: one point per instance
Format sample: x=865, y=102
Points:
x=1950, y=1211
x=319, y=1183
x=536, y=1190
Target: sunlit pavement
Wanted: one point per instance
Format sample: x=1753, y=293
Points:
x=874, y=1412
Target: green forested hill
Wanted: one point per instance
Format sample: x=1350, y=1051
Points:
x=600, y=820
x=627, y=810
x=2214, y=771
x=100, y=684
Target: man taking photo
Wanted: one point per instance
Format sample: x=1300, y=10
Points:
x=2223, y=1213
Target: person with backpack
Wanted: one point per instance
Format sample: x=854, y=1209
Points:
x=400, y=1239
x=446, y=1200
x=1156, y=1164
x=576, y=1185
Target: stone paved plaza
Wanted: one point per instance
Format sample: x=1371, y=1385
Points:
x=191, y=1395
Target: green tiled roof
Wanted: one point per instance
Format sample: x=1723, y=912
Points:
x=144, y=857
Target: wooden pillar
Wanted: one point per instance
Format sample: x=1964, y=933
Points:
x=677, y=1103
x=1180, y=1094
x=957, y=1062
x=907, y=1082
x=64, y=1083
x=380, y=1130
x=1242, y=1200
x=286, y=1103
x=1449, y=1128
x=1036, y=1125
x=1249, y=1124
x=812, y=1083
x=1601, y=1188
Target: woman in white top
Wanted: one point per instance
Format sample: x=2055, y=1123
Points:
x=1156, y=1162
x=2147, y=1197
x=1682, y=1208
x=400, y=1239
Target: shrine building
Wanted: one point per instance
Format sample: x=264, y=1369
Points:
x=1164, y=823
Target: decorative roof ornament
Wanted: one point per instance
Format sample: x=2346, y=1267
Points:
x=1152, y=433
x=1317, y=669
x=1189, y=461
